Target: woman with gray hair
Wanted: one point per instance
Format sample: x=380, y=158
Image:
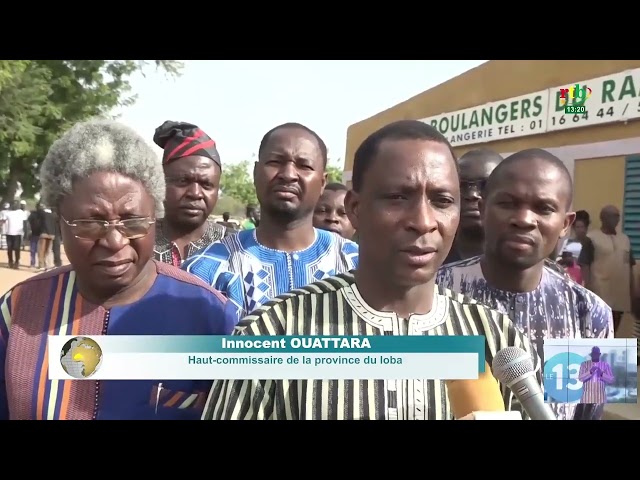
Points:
x=108, y=186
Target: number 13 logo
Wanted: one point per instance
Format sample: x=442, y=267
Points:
x=561, y=378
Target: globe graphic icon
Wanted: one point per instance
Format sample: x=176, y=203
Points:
x=81, y=357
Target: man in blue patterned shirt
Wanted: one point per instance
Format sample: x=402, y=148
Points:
x=525, y=211
x=285, y=251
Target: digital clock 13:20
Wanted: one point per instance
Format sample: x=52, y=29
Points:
x=574, y=109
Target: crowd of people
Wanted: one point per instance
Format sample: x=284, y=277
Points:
x=422, y=243
x=38, y=229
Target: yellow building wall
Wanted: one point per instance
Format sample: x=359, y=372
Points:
x=497, y=80
x=598, y=182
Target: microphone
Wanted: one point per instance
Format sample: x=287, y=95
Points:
x=474, y=397
x=513, y=367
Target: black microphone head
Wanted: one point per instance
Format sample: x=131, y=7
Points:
x=511, y=364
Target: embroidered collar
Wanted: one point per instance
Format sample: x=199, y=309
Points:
x=212, y=233
x=417, y=322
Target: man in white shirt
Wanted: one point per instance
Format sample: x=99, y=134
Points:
x=3, y=227
x=14, y=228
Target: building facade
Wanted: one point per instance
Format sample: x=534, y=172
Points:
x=513, y=105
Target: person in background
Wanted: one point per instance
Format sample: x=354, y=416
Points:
x=607, y=264
x=553, y=261
x=35, y=221
x=56, y=243
x=26, y=229
x=330, y=213
x=571, y=267
x=3, y=226
x=226, y=223
x=581, y=225
x=47, y=236
x=564, y=258
x=285, y=251
x=253, y=218
x=108, y=186
x=192, y=170
x=475, y=167
x=14, y=224
x=573, y=242
x=525, y=211
x=405, y=204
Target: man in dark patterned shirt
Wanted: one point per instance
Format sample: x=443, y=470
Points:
x=525, y=212
x=192, y=170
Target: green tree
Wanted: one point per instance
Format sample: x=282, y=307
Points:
x=236, y=182
x=24, y=91
x=334, y=171
x=41, y=99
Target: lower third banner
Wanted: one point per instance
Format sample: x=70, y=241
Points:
x=139, y=357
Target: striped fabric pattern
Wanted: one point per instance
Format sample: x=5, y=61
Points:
x=334, y=307
x=594, y=386
x=168, y=398
x=54, y=308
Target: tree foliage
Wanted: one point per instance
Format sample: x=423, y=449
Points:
x=334, y=173
x=237, y=182
x=40, y=99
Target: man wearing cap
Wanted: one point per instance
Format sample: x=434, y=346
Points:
x=192, y=170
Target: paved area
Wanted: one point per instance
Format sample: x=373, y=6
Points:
x=8, y=278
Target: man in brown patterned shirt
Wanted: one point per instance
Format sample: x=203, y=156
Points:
x=192, y=170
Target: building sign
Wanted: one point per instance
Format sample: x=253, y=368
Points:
x=614, y=98
x=502, y=120
x=607, y=99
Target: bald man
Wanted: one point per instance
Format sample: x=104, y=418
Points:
x=606, y=260
x=475, y=167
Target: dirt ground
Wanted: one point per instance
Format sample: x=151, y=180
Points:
x=8, y=277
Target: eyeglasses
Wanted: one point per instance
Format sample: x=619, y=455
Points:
x=131, y=228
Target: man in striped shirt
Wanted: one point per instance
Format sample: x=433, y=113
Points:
x=405, y=205
x=594, y=375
